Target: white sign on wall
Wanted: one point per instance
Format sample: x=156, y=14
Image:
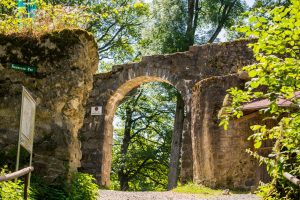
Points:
x=96, y=110
x=27, y=120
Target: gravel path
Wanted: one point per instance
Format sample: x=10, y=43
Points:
x=118, y=195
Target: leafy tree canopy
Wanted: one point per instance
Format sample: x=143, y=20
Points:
x=142, y=139
x=270, y=3
x=177, y=24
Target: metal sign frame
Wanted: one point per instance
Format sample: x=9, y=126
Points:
x=27, y=124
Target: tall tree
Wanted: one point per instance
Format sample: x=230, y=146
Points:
x=165, y=30
x=227, y=14
x=142, y=141
x=177, y=24
x=117, y=29
x=192, y=21
x=115, y=25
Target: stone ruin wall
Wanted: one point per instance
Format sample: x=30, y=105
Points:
x=66, y=61
x=220, y=159
x=65, y=87
x=183, y=71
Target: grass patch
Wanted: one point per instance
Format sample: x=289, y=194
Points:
x=200, y=190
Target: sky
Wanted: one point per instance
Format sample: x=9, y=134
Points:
x=250, y=2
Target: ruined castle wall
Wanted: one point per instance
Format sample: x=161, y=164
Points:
x=212, y=146
x=66, y=61
x=220, y=157
x=182, y=70
x=65, y=88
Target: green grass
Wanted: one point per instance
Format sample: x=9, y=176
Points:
x=200, y=190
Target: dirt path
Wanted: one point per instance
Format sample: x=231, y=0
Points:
x=117, y=195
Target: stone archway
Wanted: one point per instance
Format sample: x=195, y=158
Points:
x=110, y=110
x=101, y=141
x=183, y=70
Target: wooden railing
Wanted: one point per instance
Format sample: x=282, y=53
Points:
x=292, y=178
x=23, y=172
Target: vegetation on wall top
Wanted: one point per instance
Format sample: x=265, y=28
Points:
x=47, y=17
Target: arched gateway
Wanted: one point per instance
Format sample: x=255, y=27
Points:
x=183, y=71
x=65, y=86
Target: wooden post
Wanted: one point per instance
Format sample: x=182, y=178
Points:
x=26, y=185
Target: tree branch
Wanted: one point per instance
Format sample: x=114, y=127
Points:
x=225, y=14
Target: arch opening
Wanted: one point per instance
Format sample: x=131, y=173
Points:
x=123, y=93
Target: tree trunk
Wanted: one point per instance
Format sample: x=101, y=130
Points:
x=190, y=20
x=176, y=144
x=123, y=177
x=224, y=17
x=216, y=33
x=124, y=186
x=127, y=130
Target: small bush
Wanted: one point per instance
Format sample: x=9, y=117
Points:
x=40, y=190
x=83, y=187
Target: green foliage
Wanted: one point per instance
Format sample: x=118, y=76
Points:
x=192, y=188
x=165, y=32
x=83, y=187
x=10, y=189
x=142, y=138
x=47, y=17
x=274, y=77
x=213, y=17
x=270, y=3
x=8, y=157
x=115, y=24
x=174, y=27
x=41, y=190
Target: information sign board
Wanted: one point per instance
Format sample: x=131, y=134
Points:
x=26, y=131
x=27, y=120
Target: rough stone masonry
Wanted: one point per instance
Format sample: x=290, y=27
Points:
x=66, y=61
x=65, y=86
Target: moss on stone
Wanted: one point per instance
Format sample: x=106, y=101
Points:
x=31, y=46
x=64, y=38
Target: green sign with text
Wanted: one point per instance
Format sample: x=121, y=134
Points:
x=24, y=68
